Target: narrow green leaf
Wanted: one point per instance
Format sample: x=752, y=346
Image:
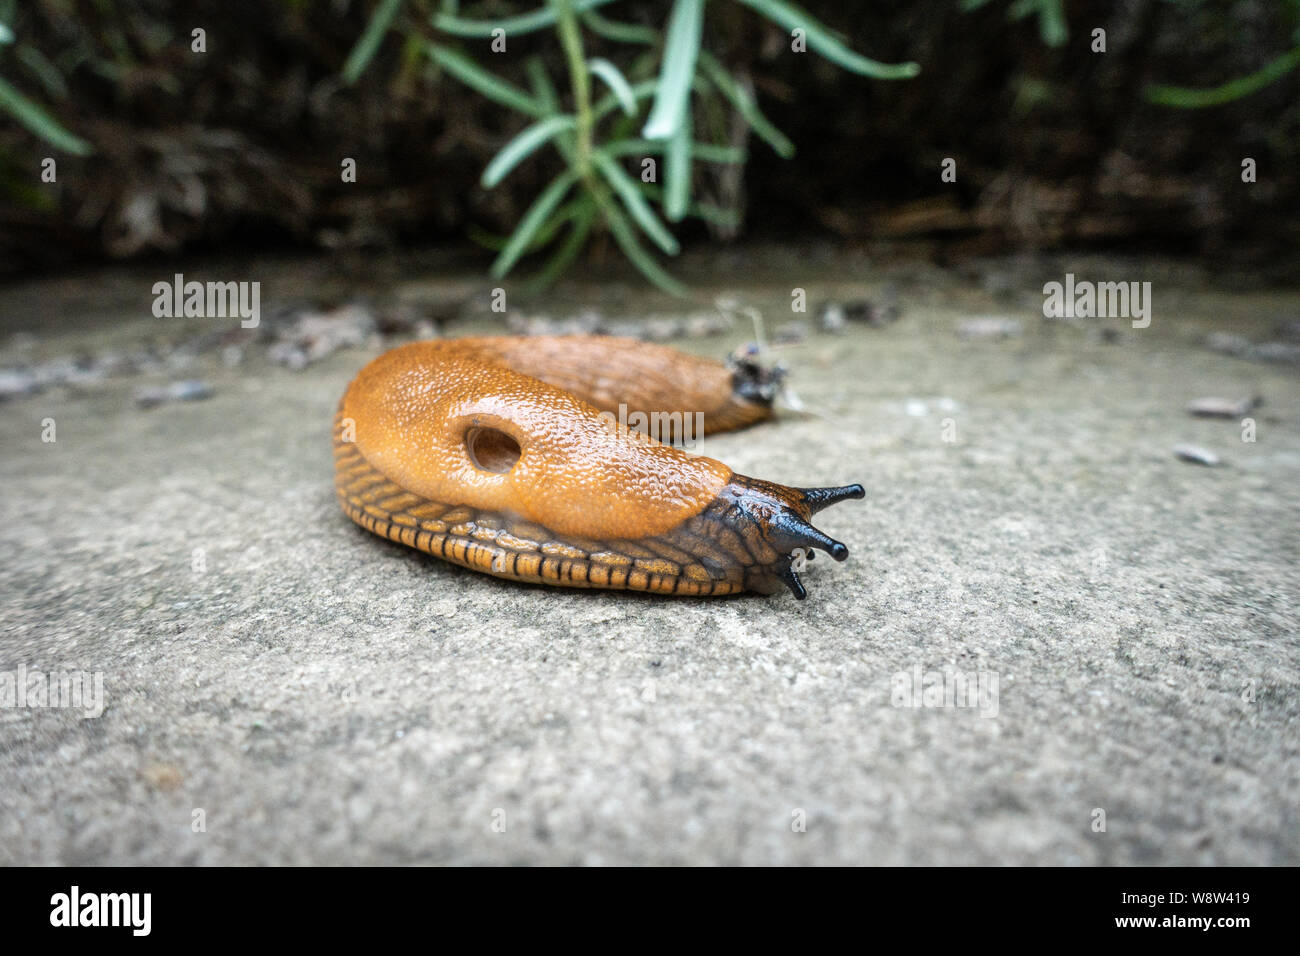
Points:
x=1051, y=18
x=475, y=77
x=613, y=78
x=541, y=239
x=1188, y=98
x=708, y=212
x=727, y=218
x=523, y=146
x=626, y=239
x=544, y=93
x=371, y=37
x=567, y=252
x=644, y=216
x=1051, y=24
x=540, y=80
x=533, y=220
x=634, y=147
x=702, y=152
x=556, y=221
x=741, y=99
x=681, y=45
x=710, y=153
x=608, y=103
x=40, y=122
x=524, y=23
x=677, y=170
x=51, y=78
x=619, y=32
x=821, y=40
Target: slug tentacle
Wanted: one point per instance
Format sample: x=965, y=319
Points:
x=819, y=498
x=497, y=454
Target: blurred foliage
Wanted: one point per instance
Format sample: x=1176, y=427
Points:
x=26, y=111
x=241, y=146
x=656, y=88
x=1050, y=13
x=1188, y=98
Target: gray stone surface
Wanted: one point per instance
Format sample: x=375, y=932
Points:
x=327, y=697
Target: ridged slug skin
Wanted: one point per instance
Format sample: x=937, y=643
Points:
x=492, y=453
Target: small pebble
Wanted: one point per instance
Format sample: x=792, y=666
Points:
x=1197, y=455
x=1222, y=407
x=189, y=390
x=1228, y=343
x=1282, y=353
x=989, y=327
x=15, y=383
x=831, y=318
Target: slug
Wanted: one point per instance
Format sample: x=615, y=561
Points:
x=504, y=455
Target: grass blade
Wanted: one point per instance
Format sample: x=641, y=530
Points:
x=533, y=220
x=677, y=170
x=570, y=210
x=710, y=153
x=708, y=212
x=681, y=45
x=607, y=104
x=613, y=78
x=701, y=152
x=373, y=35
x=1187, y=98
x=523, y=146
x=40, y=122
x=524, y=23
x=567, y=252
x=626, y=239
x=474, y=76
x=56, y=87
x=821, y=40
x=644, y=216
x=543, y=88
x=619, y=32
x=744, y=103
x=1051, y=19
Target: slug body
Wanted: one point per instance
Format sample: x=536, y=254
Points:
x=505, y=455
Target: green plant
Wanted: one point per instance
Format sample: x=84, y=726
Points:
x=1054, y=31
x=647, y=111
x=1051, y=16
x=1184, y=97
x=25, y=110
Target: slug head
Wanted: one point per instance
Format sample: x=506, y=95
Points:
x=773, y=523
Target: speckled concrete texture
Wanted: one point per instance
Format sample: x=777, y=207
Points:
x=323, y=696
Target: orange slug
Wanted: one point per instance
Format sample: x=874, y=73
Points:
x=504, y=455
